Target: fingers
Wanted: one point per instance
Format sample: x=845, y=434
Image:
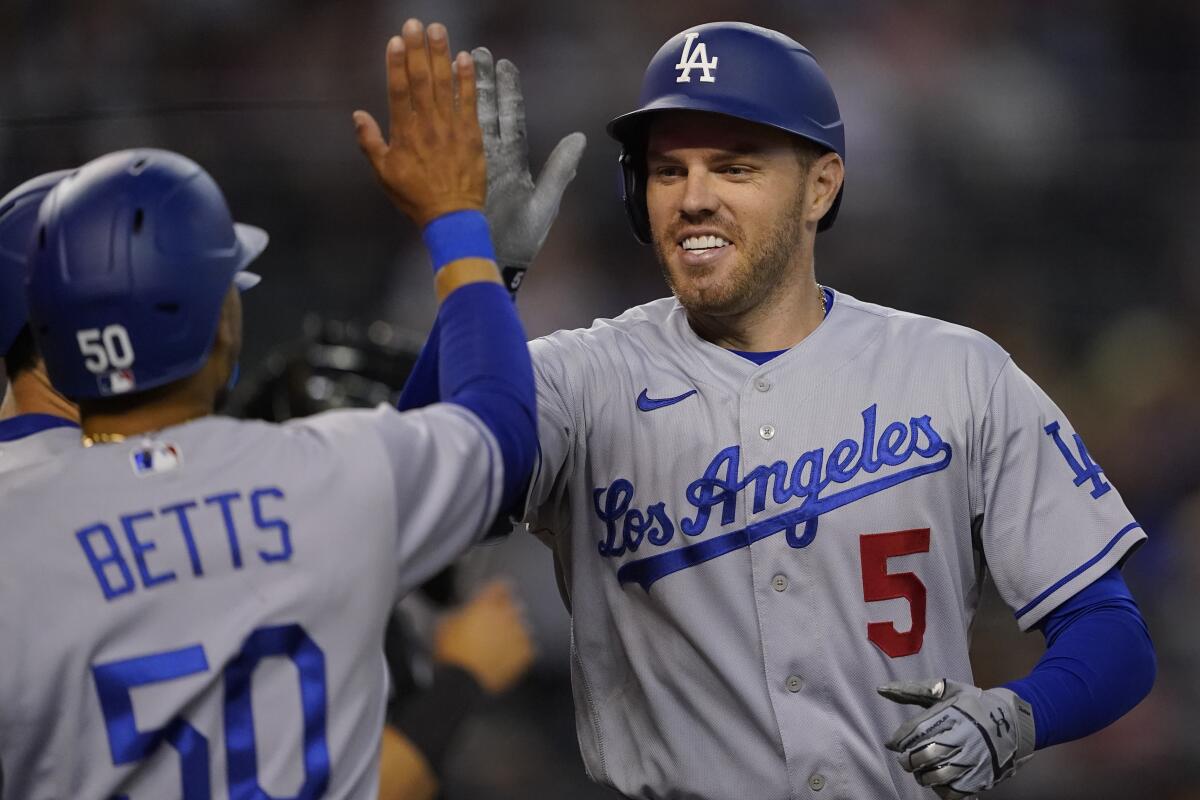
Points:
x=915, y=693
x=485, y=88
x=399, y=102
x=370, y=139
x=944, y=774
x=559, y=170
x=512, y=107
x=416, y=60
x=464, y=70
x=439, y=61
x=927, y=756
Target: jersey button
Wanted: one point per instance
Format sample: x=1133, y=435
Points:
x=779, y=583
x=763, y=385
x=793, y=683
x=766, y=432
x=816, y=782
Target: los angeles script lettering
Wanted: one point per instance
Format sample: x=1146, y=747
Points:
x=811, y=474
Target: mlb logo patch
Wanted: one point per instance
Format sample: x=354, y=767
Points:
x=117, y=382
x=155, y=458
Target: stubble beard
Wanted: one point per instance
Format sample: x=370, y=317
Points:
x=760, y=267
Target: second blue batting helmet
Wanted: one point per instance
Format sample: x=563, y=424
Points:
x=18, y=215
x=129, y=267
x=738, y=70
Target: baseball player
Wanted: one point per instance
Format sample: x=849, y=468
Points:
x=193, y=606
x=773, y=505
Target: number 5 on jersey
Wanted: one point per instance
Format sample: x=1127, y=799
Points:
x=879, y=584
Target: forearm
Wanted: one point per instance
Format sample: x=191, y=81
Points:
x=482, y=359
x=421, y=388
x=1099, y=664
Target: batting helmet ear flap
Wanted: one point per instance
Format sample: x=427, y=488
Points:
x=633, y=192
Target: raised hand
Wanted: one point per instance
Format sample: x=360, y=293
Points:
x=519, y=211
x=432, y=162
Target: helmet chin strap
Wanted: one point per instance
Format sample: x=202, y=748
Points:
x=234, y=374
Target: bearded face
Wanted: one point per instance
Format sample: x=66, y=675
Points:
x=726, y=201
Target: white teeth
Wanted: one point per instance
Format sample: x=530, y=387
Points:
x=703, y=242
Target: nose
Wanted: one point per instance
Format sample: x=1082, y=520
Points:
x=699, y=198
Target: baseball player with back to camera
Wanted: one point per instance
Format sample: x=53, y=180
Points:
x=481, y=647
x=180, y=573
x=773, y=505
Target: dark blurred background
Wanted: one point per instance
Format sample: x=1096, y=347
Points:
x=1029, y=169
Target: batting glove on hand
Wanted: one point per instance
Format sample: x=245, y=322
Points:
x=519, y=211
x=968, y=739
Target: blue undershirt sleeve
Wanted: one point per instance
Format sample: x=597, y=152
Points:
x=421, y=388
x=1099, y=663
x=483, y=365
x=476, y=355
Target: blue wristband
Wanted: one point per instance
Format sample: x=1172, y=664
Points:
x=459, y=234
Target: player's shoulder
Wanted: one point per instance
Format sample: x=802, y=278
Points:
x=922, y=335
x=645, y=324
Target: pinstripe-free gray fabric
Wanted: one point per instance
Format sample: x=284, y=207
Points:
x=744, y=564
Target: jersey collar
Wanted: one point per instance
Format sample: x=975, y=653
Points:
x=23, y=425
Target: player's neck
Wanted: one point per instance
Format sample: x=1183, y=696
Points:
x=31, y=393
x=116, y=418
x=781, y=322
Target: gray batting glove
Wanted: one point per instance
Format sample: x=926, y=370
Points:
x=519, y=211
x=968, y=739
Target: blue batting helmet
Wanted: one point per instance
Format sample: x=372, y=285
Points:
x=18, y=214
x=739, y=70
x=129, y=266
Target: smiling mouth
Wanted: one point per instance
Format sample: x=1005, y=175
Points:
x=700, y=245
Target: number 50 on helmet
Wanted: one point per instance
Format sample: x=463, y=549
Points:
x=129, y=265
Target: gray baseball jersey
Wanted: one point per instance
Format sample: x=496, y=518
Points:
x=32, y=443
x=200, y=614
x=748, y=551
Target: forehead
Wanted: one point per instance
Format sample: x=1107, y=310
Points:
x=680, y=130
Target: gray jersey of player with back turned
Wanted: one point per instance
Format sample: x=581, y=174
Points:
x=748, y=551
x=24, y=452
x=200, y=613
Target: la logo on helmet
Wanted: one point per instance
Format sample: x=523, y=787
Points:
x=696, y=58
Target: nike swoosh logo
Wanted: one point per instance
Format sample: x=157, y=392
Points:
x=647, y=403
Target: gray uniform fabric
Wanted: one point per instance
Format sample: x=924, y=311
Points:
x=203, y=611
x=748, y=551
x=20, y=454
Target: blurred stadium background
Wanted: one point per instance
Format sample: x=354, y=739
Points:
x=1026, y=168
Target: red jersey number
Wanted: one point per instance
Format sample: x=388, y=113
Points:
x=879, y=584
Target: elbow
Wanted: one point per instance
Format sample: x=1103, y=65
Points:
x=1147, y=667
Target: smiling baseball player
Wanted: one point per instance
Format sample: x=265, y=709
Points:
x=772, y=503
x=192, y=606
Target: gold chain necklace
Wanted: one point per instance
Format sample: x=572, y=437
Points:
x=92, y=439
